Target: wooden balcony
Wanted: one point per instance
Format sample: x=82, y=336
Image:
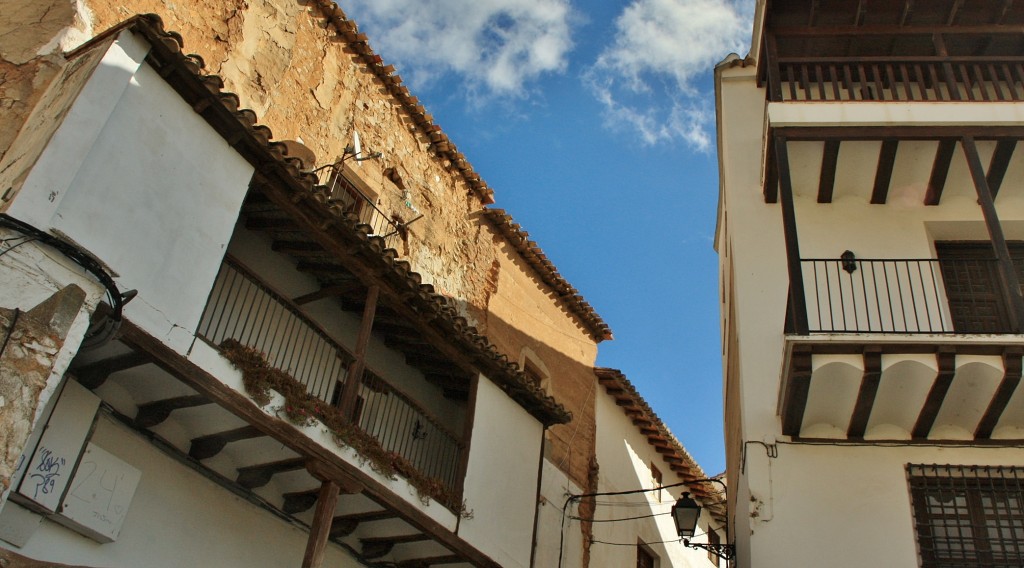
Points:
x=245, y=310
x=897, y=79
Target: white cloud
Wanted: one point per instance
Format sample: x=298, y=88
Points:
x=496, y=46
x=645, y=78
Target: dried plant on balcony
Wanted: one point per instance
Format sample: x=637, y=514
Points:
x=303, y=409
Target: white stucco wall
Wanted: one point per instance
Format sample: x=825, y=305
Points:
x=855, y=498
x=177, y=518
x=501, y=478
x=142, y=182
x=625, y=457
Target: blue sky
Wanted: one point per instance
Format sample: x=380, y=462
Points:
x=594, y=124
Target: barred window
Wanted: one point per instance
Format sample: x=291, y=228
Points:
x=968, y=515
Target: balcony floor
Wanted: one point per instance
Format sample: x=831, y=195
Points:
x=927, y=388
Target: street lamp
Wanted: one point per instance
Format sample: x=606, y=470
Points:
x=686, y=512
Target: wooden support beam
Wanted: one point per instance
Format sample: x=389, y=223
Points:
x=375, y=547
x=998, y=165
x=329, y=291
x=344, y=525
x=297, y=248
x=327, y=500
x=93, y=375
x=866, y=396
x=431, y=561
x=827, y=178
x=937, y=394
x=254, y=476
x=297, y=502
x=205, y=447
x=797, y=298
x=347, y=403
x=1011, y=378
x=883, y=175
x=153, y=413
x=1007, y=273
x=940, y=170
x=892, y=29
x=798, y=385
x=862, y=133
x=270, y=224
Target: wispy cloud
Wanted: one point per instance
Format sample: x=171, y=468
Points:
x=645, y=77
x=493, y=47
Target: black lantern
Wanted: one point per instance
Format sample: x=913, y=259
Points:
x=685, y=512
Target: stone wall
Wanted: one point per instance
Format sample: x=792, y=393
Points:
x=29, y=344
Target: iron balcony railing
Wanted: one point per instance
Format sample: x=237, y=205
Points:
x=242, y=308
x=897, y=79
x=904, y=296
x=339, y=193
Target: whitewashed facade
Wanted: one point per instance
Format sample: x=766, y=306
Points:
x=868, y=234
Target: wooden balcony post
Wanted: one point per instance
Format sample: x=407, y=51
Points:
x=347, y=403
x=1008, y=280
x=797, y=298
x=947, y=68
x=321, y=527
x=772, y=68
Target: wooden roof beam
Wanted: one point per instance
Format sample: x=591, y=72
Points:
x=940, y=170
x=153, y=413
x=869, y=383
x=883, y=175
x=254, y=476
x=827, y=179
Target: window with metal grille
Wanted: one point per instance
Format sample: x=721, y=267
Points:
x=968, y=515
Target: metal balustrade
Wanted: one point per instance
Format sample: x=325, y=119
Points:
x=898, y=79
x=338, y=192
x=242, y=308
x=875, y=296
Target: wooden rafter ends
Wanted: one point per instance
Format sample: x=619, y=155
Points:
x=1011, y=378
x=940, y=170
x=866, y=396
x=883, y=174
x=937, y=395
x=827, y=179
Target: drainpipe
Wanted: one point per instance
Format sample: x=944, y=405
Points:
x=538, y=497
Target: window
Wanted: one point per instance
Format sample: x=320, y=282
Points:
x=968, y=515
x=714, y=540
x=644, y=557
x=535, y=375
x=971, y=277
x=656, y=478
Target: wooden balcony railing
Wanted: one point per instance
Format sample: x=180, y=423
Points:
x=904, y=296
x=897, y=79
x=243, y=308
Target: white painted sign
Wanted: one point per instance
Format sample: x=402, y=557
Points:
x=101, y=492
x=49, y=470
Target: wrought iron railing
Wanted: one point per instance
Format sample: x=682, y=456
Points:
x=401, y=427
x=340, y=193
x=243, y=308
x=875, y=296
x=898, y=79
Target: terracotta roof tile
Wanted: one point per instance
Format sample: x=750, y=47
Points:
x=661, y=439
x=535, y=257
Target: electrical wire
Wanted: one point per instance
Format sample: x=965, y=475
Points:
x=12, y=247
x=621, y=519
x=633, y=544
